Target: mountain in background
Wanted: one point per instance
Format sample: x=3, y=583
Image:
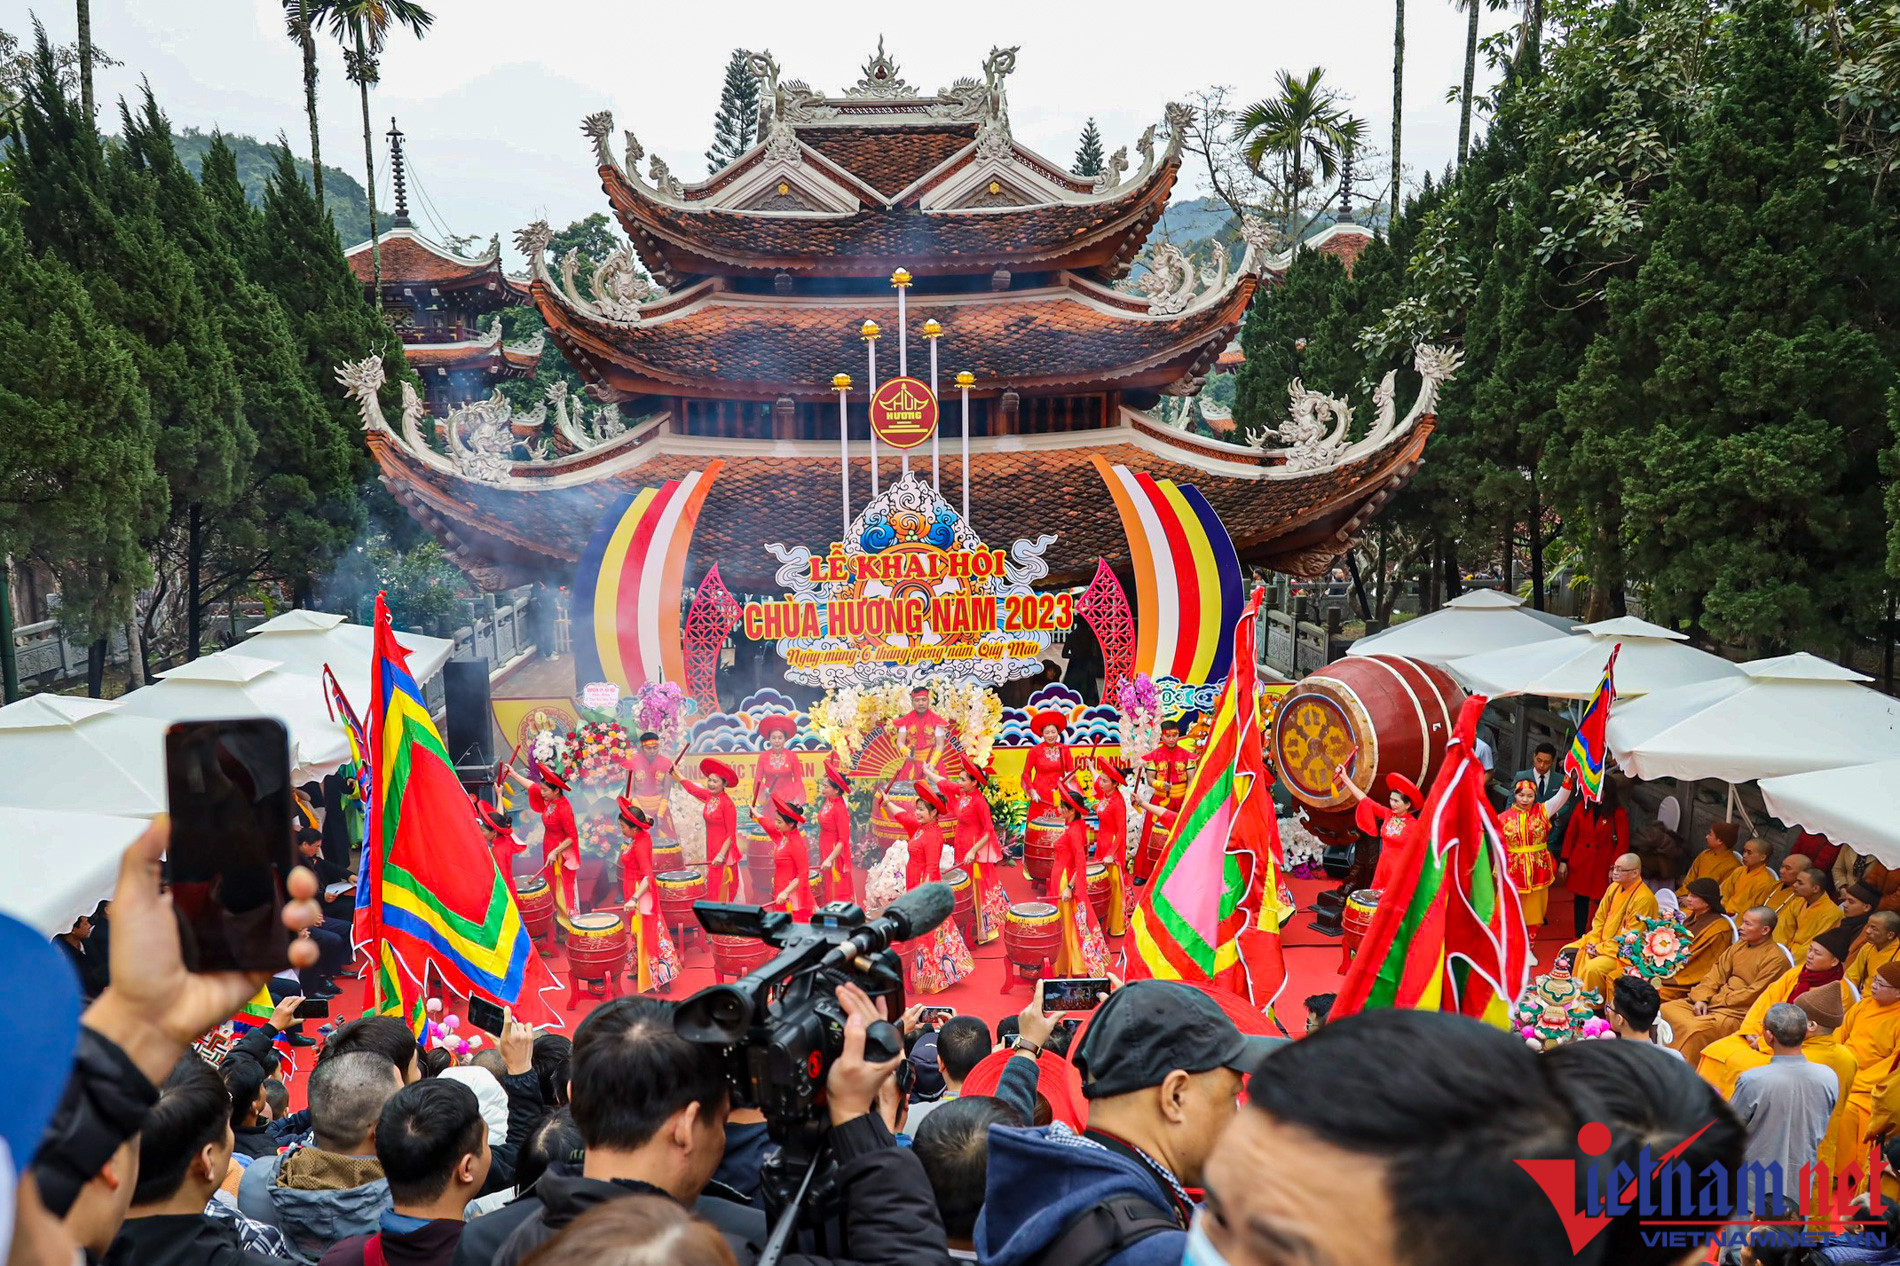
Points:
x=342, y=194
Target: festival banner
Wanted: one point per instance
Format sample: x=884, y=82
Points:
x=521, y=719
x=912, y=592
x=1589, y=748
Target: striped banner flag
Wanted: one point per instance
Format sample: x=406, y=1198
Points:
x=1589, y=748
x=434, y=898
x=1212, y=912
x=1448, y=934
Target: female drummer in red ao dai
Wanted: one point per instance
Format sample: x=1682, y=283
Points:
x=560, y=839
x=1387, y=823
x=1111, y=841
x=1084, y=951
x=655, y=960
x=779, y=771
x=1049, y=762
x=944, y=958
x=791, y=860
x=834, y=838
x=979, y=852
x=722, y=826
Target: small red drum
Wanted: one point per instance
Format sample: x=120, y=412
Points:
x=535, y=900
x=965, y=890
x=1039, y=846
x=758, y=862
x=668, y=857
x=1358, y=917
x=735, y=956
x=678, y=890
x=1032, y=935
x=596, y=951
x=1098, y=892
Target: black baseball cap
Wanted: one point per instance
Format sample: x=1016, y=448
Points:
x=1149, y=1028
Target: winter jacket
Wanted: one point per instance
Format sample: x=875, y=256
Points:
x=312, y=1218
x=181, y=1239
x=253, y=1140
x=431, y=1244
x=564, y=1197
x=104, y=1104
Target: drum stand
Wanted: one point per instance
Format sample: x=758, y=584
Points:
x=609, y=985
x=1330, y=907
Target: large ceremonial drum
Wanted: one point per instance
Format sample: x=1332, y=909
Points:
x=1039, y=845
x=758, y=862
x=965, y=891
x=1357, y=918
x=734, y=956
x=885, y=829
x=678, y=890
x=815, y=880
x=597, y=945
x=535, y=900
x=1032, y=934
x=1099, y=891
x=1377, y=715
x=668, y=857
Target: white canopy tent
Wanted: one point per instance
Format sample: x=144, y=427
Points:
x=1788, y=715
x=64, y=753
x=232, y=685
x=303, y=642
x=1473, y=623
x=1653, y=658
x=60, y=865
x=1857, y=805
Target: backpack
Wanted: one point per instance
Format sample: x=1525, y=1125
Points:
x=1105, y=1229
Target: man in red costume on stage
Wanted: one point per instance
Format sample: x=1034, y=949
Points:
x=560, y=839
x=648, y=785
x=834, y=838
x=779, y=774
x=1167, y=769
x=921, y=731
x=722, y=826
x=784, y=824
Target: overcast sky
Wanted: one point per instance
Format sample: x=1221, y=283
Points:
x=491, y=99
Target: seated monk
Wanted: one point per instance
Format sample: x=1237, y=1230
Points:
x=1858, y=902
x=1626, y=901
x=1810, y=912
x=1879, y=945
x=1853, y=867
x=1791, y=867
x=1727, y=1058
x=1715, y=1007
x=1750, y=885
x=1871, y=1034
x=1710, y=930
x=1717, y=858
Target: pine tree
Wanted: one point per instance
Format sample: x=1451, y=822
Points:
x=736, y=126
x=1088, y=155
x=1745, y=368
x=1281, y=332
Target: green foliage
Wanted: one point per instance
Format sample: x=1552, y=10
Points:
x=736, y=126
x=423, y=588
x=1088, y=154
x=256, y=164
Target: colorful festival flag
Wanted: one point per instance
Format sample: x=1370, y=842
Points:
x=434, y=898
x=1212, y=912
x=1590, y=746
x=1448, y=933
x=393, y=996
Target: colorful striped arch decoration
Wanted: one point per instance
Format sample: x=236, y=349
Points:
x=627, y=586
x=1187, y=576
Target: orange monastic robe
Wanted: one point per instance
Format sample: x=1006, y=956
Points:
x=1621, y=908
x=1871, y=1034
x=1713, y=934
x=1717, y=864
x=1725, y=1059
x=1747, y=887
x=1736, y=979
x=1870, y=959
x=1801, y=921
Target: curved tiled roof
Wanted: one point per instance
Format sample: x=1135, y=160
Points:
x=891, y=158
x=733, y=345
x=410, y=258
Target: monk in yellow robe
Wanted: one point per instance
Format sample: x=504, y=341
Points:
x=1752, y=882
x=1626, y=901
x=1871, y=1034
x=1718, y=859
x=1823, y=1047
x=1727, y=1058
x=1879, y=945
x=1716, y=1007
x=1710, y=930
x=1809, y=914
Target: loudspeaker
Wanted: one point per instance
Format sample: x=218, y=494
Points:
x=471, y=726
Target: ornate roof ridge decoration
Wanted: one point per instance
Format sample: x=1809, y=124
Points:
x=410, y=233
x=1314, y=436
x=621, y=292
x=880, y=77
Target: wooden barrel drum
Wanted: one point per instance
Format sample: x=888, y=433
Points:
x=678, y=890
x=758, y=863
x=596, y=951
x=965, y=890
x=535, y=900
x=1358, y=918
x=1032, y=937
x=1099, y=892
x=1039, y=846
x=735, y=956
x=668, y=857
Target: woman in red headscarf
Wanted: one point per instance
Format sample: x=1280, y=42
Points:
x=978, y=850
x=1049, y=762
x=791, y=860
x=943, y=959
x=1083, y=951
x=722, y=826
x=1386, y=823
x=1111, y=841
x=655, y=961
x=560, y=839
x=779, y=773
x=834, y=838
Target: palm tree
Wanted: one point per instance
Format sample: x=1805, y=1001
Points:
x=362, y=27
x=1398, y=101
x=85, y=59
x=1471, y=67
x=300, y=20
x=1302, y=121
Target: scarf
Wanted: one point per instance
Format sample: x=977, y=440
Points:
x=1815, y=979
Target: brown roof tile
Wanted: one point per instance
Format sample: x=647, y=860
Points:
x=889, y=159
x=408, y=258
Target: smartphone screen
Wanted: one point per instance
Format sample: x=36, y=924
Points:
x=485, y=1015
x=935, y=1016
x=313, y=1009
x=1073, y=993
x=228, y=792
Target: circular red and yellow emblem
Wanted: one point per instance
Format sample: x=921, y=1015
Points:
x=903, y=413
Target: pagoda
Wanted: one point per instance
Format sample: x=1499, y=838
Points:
x=444, y=305
x=716, y=329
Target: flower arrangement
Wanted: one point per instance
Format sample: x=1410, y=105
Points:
x=1305, y=854
x=976, y=712
x=1656, y=950
x=666, y=710
x=600, y=751
x=1556, y=1009
x=1140, y=715
x=550, y=748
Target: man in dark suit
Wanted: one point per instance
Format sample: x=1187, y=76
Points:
x=1547, y=778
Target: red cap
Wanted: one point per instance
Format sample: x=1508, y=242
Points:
x=713, y=765
x=1073, y=794
x=1046, y=718
x=547, y=775
x=929, y=795
x=778, y=723
x=632, y=814
x=1109, y=770
x=786, y=809
x=490, y=816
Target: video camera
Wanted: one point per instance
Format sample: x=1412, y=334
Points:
x=781, y=1025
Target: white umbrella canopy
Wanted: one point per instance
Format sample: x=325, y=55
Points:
x=1653, y=658
x=64, y=753
x=303, y=642
x=1471, y=624
x=55, y=867
x=230, y=685
x=1858, y=805
x=1786, y=715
